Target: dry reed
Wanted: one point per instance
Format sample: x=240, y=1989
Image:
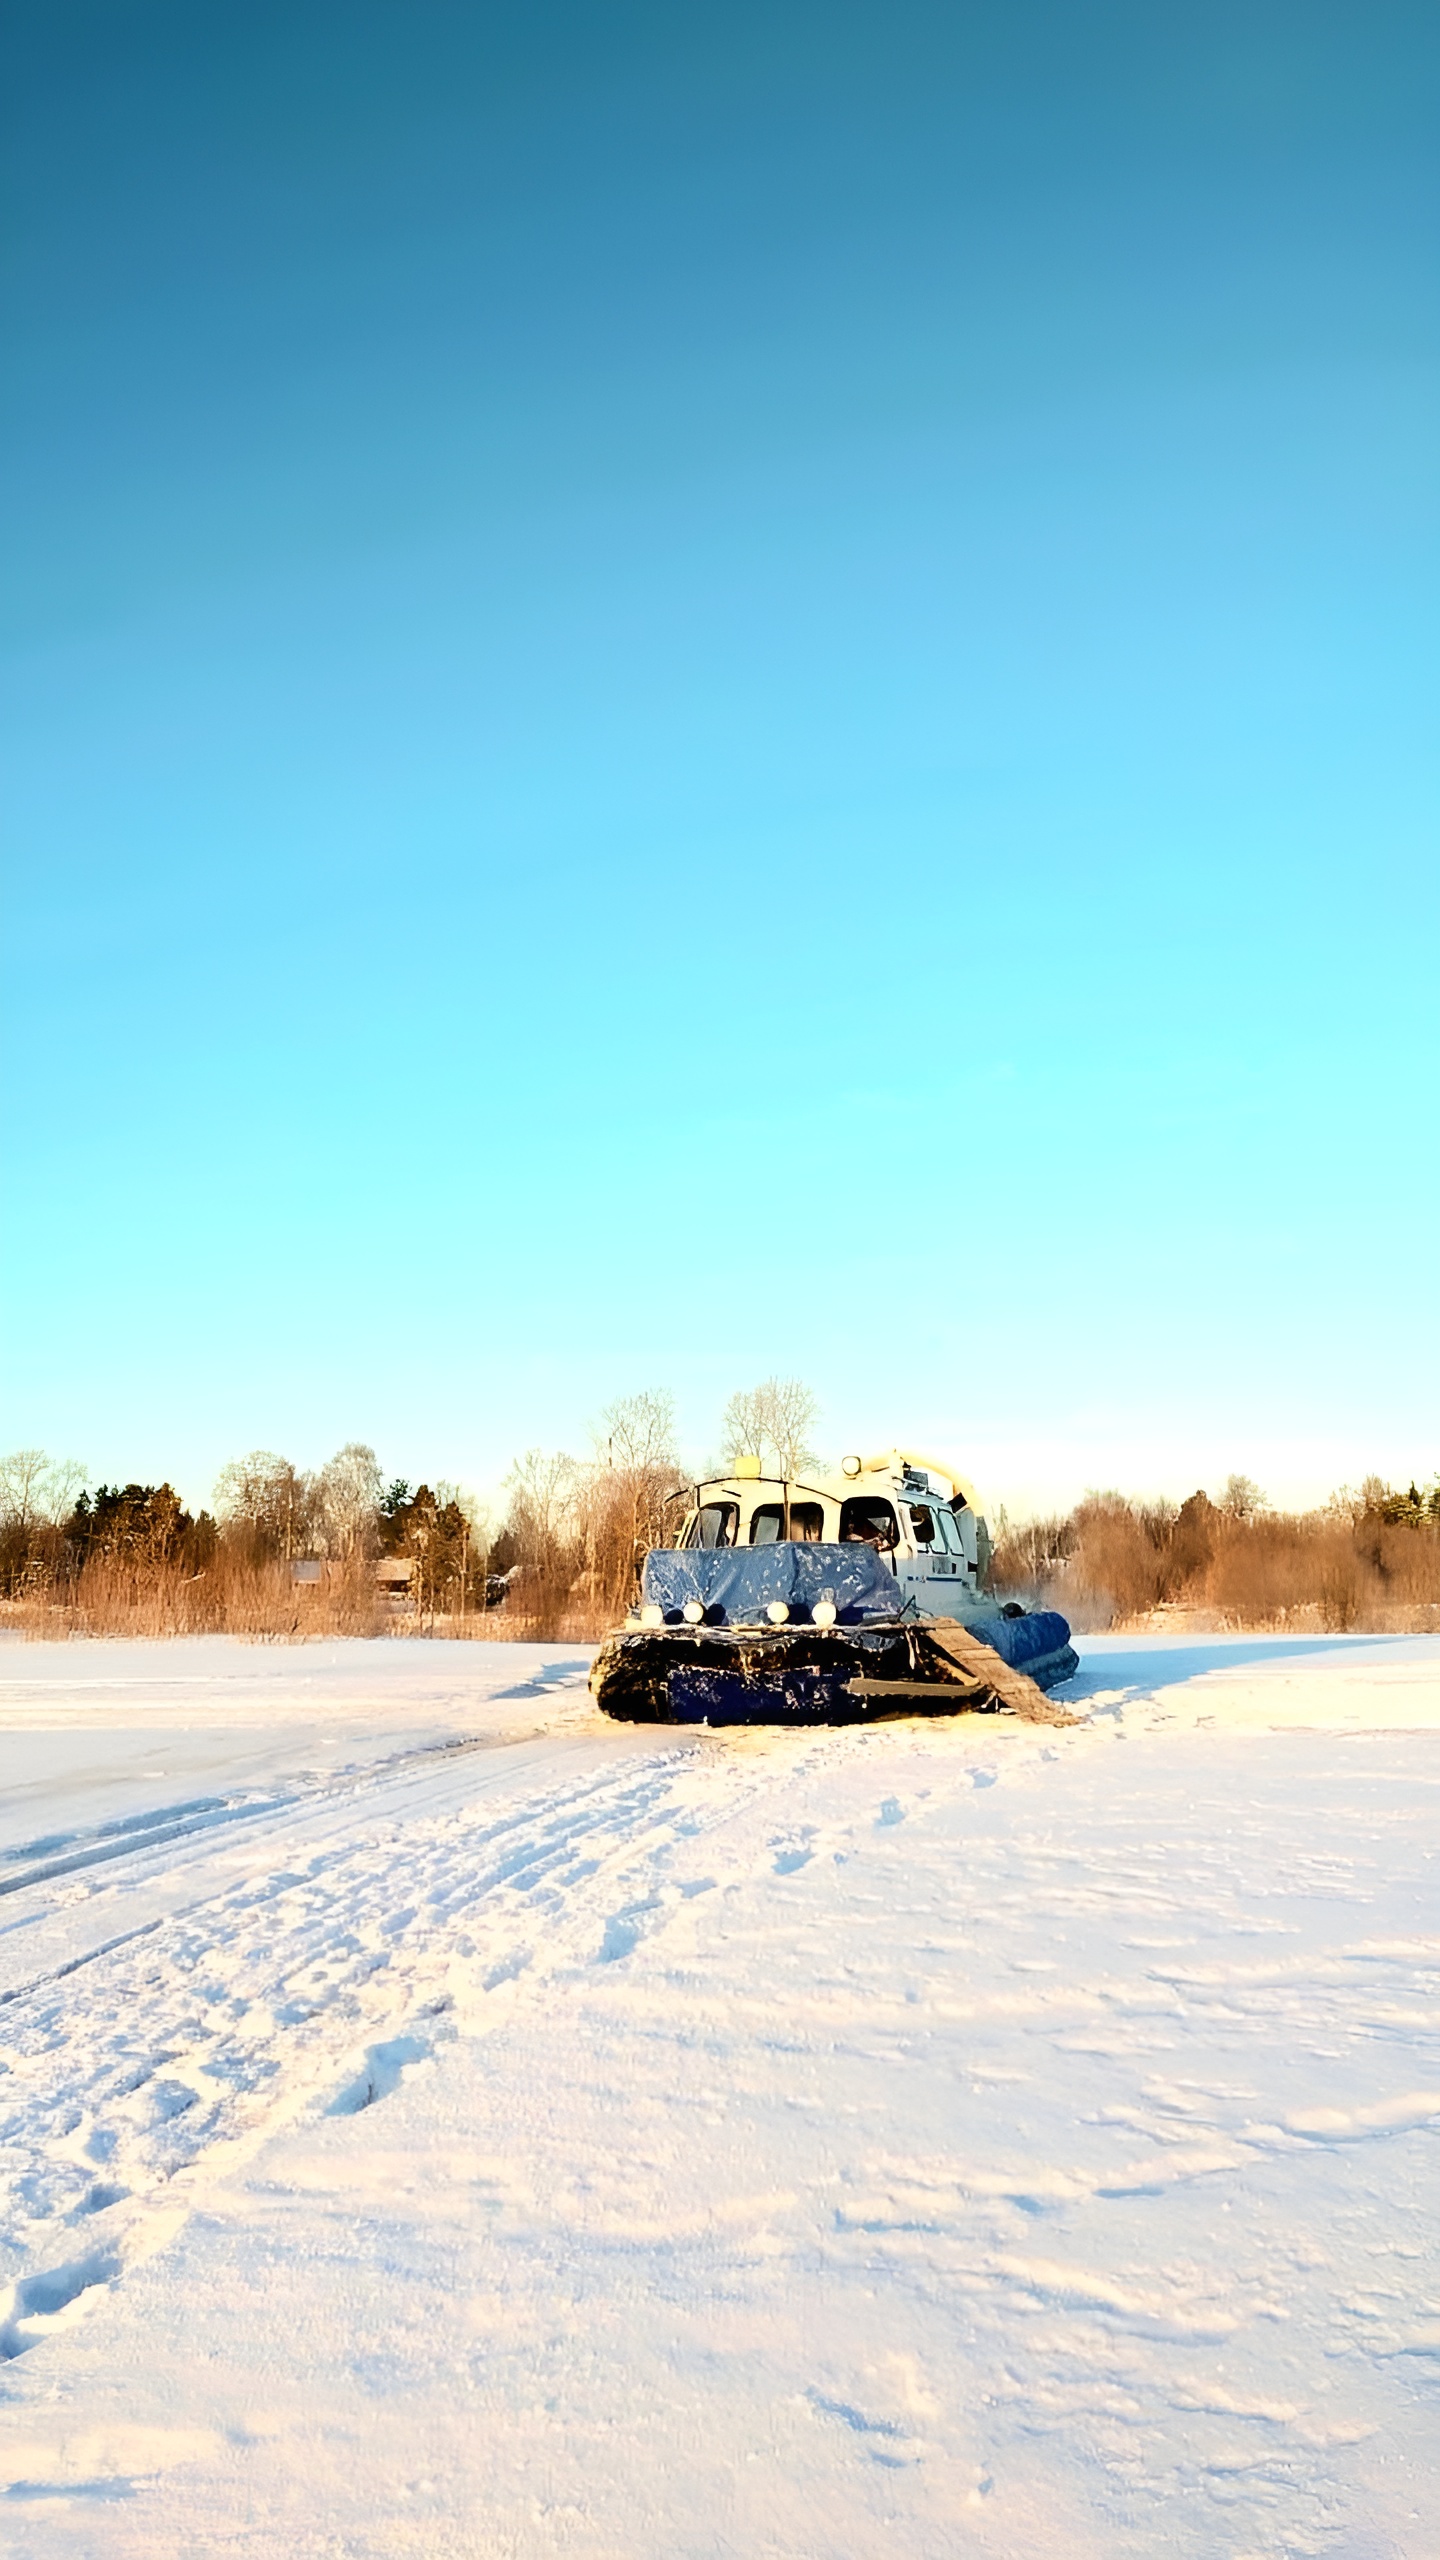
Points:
x=116, y=1595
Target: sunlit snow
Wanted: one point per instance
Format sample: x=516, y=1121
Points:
x=434, y=2121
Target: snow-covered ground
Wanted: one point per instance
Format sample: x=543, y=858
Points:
x=436, y=2122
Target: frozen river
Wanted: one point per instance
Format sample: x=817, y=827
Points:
x=434, y=2121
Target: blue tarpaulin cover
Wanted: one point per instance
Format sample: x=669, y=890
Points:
x=740, y=1580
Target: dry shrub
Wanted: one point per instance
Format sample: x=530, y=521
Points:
x=1281, y=1569
x=1120, y=1561
x=1370, y=1564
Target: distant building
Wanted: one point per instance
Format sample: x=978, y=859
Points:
x=395, y=1580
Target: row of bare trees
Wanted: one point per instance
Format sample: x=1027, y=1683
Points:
x=1364, y=1560
x=281, y=1513
x=563, y=1559
x=581, y=1528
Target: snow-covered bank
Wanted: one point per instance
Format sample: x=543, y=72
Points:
x=943, y=2133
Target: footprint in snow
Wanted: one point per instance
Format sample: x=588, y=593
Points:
x=38, y=2300
x=99, y=2198
x=790, y=1861
x=507, y=1970
x=897, y=2448
x=890, y=1812
x=625, y=1929
x=380, y=2072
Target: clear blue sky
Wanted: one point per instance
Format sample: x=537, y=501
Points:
x=698, y=693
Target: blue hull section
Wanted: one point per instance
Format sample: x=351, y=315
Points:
x=1038, y=1645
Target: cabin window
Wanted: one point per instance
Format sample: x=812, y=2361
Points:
x=767, y=1523
x=949, y=1528
x=866, y=1516
x=923, y=1524
x=715, y=1525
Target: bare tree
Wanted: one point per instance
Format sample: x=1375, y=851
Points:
x=626, y=1495
x=269, y=1500
x=35, y=1491
x=1242, y=1498
x=347, y=1501
x=477, y=1516
x=542, y=1486
x=475, y=1512
x=36, y=1495
x=772, y=1421
x=638, y=1431
x=742, y=1427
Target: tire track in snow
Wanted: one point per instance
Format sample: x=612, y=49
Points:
x=320, y=1974
x=314, y=1807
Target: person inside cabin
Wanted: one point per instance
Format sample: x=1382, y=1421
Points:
x=872, y=1523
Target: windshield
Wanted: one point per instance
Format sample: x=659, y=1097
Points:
x=714, y=1525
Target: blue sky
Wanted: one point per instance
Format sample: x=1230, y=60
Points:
x=686, y=696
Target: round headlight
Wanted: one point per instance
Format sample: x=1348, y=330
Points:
x=777, y=1611
x=849, y=1466
x=823, y=1613
x=652, y=1615
x=693, y=1613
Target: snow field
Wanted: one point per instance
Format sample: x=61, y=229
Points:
x=952, y=2134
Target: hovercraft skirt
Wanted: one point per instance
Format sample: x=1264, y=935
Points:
x=797, y=1696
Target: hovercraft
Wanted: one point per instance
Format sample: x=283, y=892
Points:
x=829, y=1601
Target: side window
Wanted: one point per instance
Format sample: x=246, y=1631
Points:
x=865, y=1516
x=715, y=1525
x=767, y=1525
x=922, y=1522
x=807, y=1521
x=949, y=1528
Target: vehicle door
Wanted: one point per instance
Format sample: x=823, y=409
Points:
x=958, y=1557
x=932, y=1572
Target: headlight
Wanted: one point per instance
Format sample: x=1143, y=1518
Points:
x=777, y=1611
x=824, y=1613
x=652, y=1615
x=849, y=1466
x=693, y=1613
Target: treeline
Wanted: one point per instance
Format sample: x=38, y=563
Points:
x=286, y=1553
x=1366, y=1560
x=341, y=1551
x=282, y=1553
